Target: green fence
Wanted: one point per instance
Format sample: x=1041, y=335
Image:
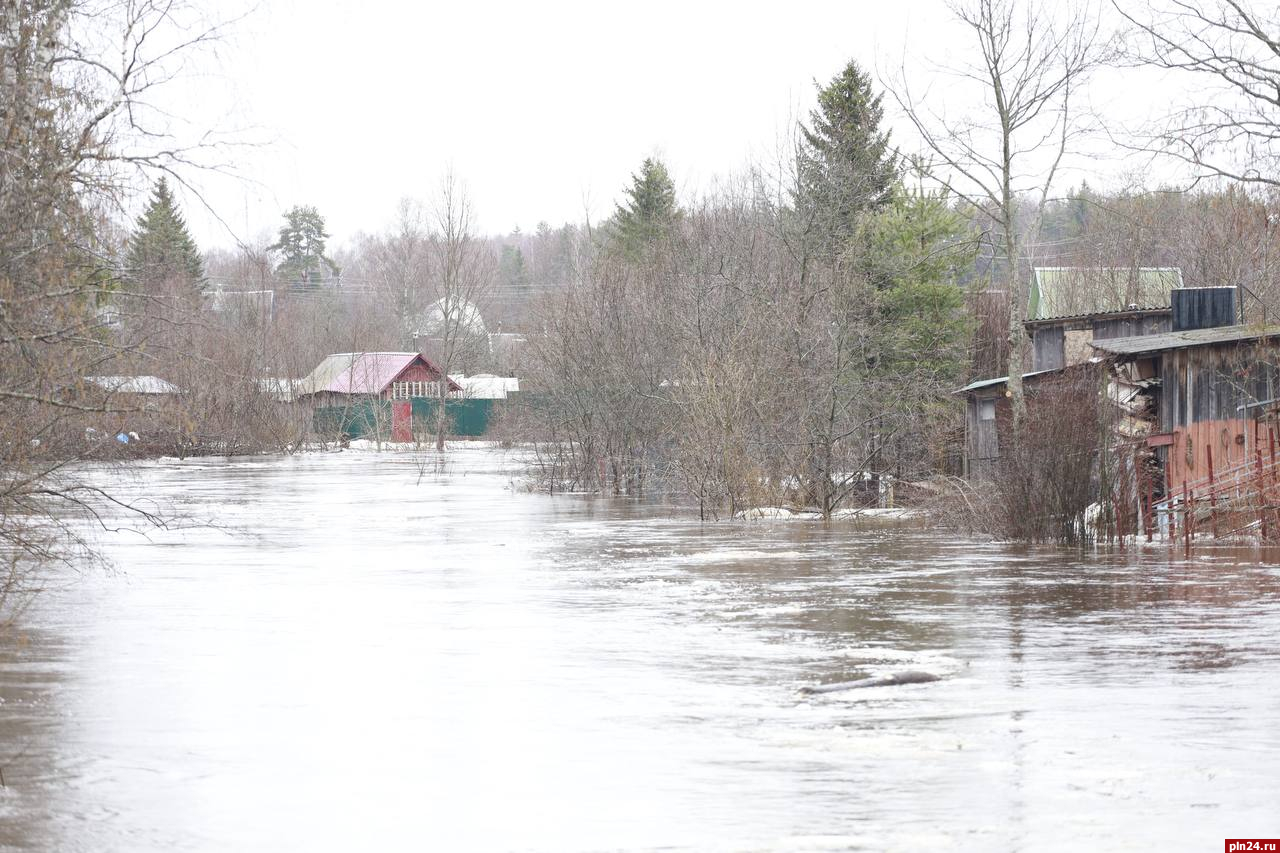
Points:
x=466, y=417
x=371, y=417
x=356, y=420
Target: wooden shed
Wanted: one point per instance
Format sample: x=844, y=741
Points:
x=362, y=393
x=1069, y=308
x=1215, y=393
x=1063, y=341
x=987, y=414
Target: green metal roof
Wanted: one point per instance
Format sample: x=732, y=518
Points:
x=1079, y=291
x=1000, y=380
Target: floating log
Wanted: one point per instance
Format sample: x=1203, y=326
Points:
x=908, y=677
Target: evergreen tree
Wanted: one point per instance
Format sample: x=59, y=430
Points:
x=301, y=246
x=161, y=249
x=511, y=268
x=1066, y=219
x=846, y=166
x=1081, y=202
x=650, y=209
x=916, y=246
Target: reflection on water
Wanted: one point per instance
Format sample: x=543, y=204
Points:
x=354, y=657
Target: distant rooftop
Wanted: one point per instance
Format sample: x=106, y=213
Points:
x=278, y=387
x=1062, y=292
x=485, y=386
x=134, y=384
x=1102, y=315
x=360, y=373
x=1000, y=380
x=239, y=300
x=1178, y=340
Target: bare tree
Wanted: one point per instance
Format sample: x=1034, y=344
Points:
x=399, y=264
x=727, y=362
x=463, y=276
x=1033, y=62
x=76, y=78
x=1231, y=125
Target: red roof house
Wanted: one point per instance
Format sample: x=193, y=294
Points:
x=385, y=375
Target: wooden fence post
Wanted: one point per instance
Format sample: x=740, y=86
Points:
x=1260, y=492
x=1186, y=519
x=1213, y=497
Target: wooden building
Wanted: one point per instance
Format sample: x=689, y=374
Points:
x=1194, y=421
x=141, y=389
x=1058, y=342
x=987, y=415
x=1069, y=308
x=361, y=393
x=1213, y=395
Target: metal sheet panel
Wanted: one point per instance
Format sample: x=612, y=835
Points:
x=1203, y=308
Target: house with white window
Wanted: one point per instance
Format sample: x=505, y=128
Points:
x=362, y=393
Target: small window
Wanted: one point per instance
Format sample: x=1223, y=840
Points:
x=986, y=410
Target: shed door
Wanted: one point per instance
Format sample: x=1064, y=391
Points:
x=401, y=420
x=1049, y=348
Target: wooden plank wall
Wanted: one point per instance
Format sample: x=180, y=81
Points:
x=1123, y=327
x=1231, y=442
x=982, y=443
x=1048, y=352
x=1201, y=395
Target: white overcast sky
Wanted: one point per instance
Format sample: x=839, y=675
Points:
x=544, y=109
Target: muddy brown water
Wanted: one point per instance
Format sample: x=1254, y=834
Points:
x=350, y=652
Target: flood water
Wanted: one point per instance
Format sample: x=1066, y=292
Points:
x=347, y=652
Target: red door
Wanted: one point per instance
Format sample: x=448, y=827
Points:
x=401, y=420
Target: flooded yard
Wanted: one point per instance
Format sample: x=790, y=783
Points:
x=350, y=652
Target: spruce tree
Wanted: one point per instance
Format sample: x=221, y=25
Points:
x=301, y=245
x=650, y=208
x=511, y=268
x=914, y=249
x=846, y=166
x=161, y=250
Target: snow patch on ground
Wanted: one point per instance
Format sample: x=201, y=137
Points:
x=760, y=512
x=365, y=444
x=877, y=512
x=778, y=512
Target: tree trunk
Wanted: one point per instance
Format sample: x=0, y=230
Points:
x=1017, y=304
x=442, y=412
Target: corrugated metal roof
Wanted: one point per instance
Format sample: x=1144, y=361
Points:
x=1178, y=340
x=359, y=373
x=355, y=372
x=1080, y=291
x=987, y=383
x=134, y=384
x=1118, y=312
x=451, y=312
x=486, y=386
